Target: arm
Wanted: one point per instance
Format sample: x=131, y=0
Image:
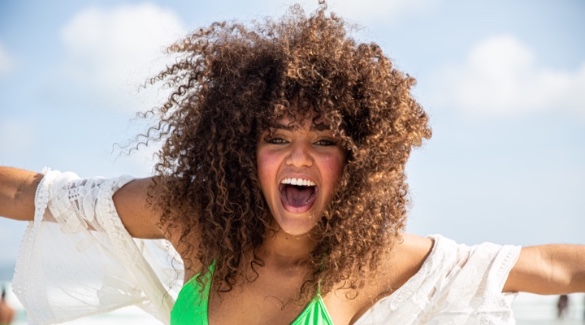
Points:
x=17, y=199
x=17, y=193
x=548, y=269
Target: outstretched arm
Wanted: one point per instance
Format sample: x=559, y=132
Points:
x=548, y=269
x=17, y=193
x=17, y=196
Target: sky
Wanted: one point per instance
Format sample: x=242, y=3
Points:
x=503, y=83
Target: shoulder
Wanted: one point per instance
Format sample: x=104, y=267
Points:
x=139, y=217
x=142, y=219
x=400, y=262
x=414, y=245
x=406, y=257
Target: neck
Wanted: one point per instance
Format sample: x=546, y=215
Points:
x=285, y=250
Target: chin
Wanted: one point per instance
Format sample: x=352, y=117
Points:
x=296, y=232
x=296, y=227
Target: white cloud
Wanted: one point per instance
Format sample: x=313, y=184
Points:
x=6, y=62
x=501, y=77
x=113, y=51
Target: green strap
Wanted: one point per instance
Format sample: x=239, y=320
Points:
x=314, y=314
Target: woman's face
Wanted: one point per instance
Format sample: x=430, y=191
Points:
x=299, y=166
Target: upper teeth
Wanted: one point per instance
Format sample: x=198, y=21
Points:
x=298, y=182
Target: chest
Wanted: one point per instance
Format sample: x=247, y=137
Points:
x=269, y=299
x=247, y=308
x=274, y=300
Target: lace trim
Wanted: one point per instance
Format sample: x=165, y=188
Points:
x=24, y=287
x=160, y=301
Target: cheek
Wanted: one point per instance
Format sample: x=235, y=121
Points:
x=333, y=166
x=266, y=168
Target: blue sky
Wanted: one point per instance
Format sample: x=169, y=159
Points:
x=503, y=82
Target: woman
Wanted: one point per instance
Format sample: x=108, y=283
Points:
x=281, y=185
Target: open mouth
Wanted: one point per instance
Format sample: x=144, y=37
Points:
x=298, y=194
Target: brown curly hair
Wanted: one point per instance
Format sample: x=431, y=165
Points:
x=231, y=83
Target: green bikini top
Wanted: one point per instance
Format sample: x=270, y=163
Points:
x=191, y=306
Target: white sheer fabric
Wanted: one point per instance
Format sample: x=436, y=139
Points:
x=78, y=260
x=456, y=285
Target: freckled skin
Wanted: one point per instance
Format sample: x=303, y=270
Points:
x=302, y=152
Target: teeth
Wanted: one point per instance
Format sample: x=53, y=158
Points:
x=298, y=182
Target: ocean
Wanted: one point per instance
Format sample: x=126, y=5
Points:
x=529, y=310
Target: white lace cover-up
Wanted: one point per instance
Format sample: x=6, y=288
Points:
x=78, y=260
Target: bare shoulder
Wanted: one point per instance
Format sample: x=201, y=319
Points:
x=414, y=246
x=407, y=257
x=402, y=261
x=399, y=263
x=140, y=218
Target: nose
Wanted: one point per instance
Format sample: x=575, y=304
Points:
x=300, y=156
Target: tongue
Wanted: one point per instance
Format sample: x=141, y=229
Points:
x=298, y=196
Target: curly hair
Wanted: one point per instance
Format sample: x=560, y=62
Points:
x=231, y=82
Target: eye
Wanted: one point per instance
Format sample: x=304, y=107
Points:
x=326, y=142
x=274, y=140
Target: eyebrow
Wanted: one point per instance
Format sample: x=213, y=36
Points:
x=291, y=127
